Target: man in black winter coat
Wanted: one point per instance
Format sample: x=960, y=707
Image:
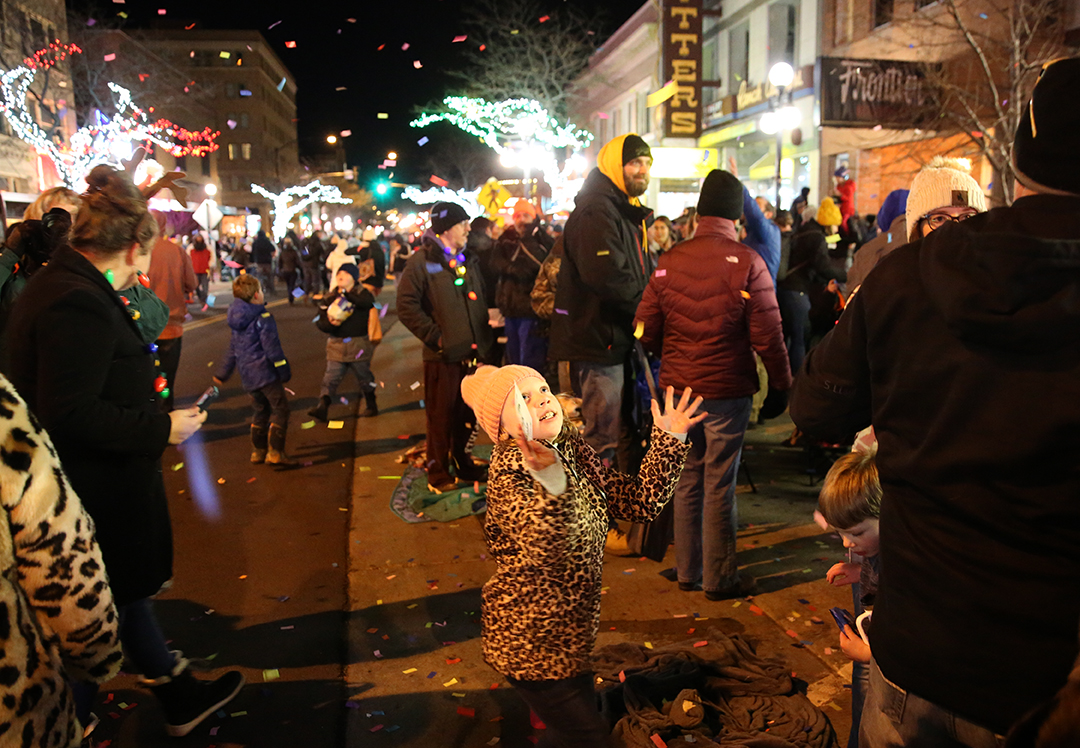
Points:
x=517, y=258
x=963, y=351
x=600, y=283
x=262, y=254
x=440, y=299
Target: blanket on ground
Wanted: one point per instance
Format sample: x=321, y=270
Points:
x=710, y=692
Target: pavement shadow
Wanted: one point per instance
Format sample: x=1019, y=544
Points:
x=783, y=565
x=279, y=714
x=382, y=446
x=392, y=631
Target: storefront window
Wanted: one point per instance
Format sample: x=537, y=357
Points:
x=738, y=54
x=783, y=17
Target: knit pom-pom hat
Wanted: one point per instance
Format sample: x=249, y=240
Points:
x=828, y=214
x=943, y=183
x=486, y=392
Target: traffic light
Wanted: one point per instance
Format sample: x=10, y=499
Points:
x=382, y=188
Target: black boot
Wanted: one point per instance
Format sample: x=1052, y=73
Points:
x=258, y=444
x=322, y=410
x=372, y=409
x=276, y=455
x=187, y=701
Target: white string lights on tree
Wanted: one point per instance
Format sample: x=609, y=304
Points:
x=521, y=131
x=465, y=198
x=304, y=196
x=108, y=141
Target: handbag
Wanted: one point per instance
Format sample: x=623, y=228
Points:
x=374, y=326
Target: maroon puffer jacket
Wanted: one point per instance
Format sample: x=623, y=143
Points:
x=708, y=306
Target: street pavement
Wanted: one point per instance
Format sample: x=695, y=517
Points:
x=356, y=628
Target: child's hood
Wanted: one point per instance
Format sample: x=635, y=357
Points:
x=243, y=313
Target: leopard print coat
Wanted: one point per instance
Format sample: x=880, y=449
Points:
x=541, y=610
x=57, y=617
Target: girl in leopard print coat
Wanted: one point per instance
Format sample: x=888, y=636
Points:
x=548, y=504
x=57, y=618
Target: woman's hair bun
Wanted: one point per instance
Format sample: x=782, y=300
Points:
x=114, y=214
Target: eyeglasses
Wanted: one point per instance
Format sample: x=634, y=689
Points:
x=936, y=220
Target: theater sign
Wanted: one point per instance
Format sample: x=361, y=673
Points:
x=681, y=30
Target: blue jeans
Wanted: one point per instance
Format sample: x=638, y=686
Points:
x=795, y=318
x=602, y=406
x=705, y=512
x=523, y=346
x=895, y=718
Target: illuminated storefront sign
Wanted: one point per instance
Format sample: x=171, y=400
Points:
x=682, y=67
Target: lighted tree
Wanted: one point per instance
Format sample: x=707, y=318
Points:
x=521, y=131
x=465, y=198
x=291, y=202
x=105, y=141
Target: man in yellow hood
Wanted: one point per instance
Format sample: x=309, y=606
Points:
x=603, y=275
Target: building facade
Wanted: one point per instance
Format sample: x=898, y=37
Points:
x=26, y=28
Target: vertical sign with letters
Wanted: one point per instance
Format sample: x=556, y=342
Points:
x=681, y=29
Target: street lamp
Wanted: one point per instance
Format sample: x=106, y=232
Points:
x=331, y=139
x=392, y=155
x=210, y=189
x=780, y=118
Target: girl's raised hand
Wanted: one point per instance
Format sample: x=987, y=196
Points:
x=535, y=454
x=678, y=420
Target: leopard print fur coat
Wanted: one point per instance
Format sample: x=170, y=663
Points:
x=57, y=617
x=541, y=610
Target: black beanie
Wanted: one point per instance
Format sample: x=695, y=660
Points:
x=1044, y=149
x=352, y=269
x=721, y=196
x=634, y=147
x=445, y=216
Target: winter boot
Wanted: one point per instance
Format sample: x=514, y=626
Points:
x=372, y=409
x=187, y=701
x=322, y=410
x=276, y=455
x=258, y=443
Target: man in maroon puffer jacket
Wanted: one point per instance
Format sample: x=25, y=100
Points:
x=707, y=308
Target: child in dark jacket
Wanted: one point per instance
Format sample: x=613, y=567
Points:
x=343, y=315
x=264, y=370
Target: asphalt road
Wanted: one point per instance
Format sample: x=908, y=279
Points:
x=260, y=551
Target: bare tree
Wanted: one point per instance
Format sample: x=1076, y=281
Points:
x=459, y=158
x=518, y=50
x=113, y=55
x=983, y=89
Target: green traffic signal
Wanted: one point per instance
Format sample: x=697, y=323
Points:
x=382, y=188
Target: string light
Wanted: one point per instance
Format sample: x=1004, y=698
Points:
x=107, y=141
x=465, y=198
x=523, y=133
x=312, y=192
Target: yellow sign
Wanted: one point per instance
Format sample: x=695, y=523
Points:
x=493, y=196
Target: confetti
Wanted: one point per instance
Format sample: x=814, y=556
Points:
x=335, y=425
x=281, y=83
x=414, y=385
x=460, y=38
x=269, y=675
x=438, y=181
x=417, y=64
x=243, y=576
x=701, y=644
x=658, y=741
x=178, y=466
x=275, y=23
x=409, y=671
x=308, y=425
x=221, y=481
x=382, y=115
x=290, y=45
x=451, y=682
x=110, y=57
x=422, y=141
x=756, y=610
x=161, y=11
x=231, y=123
x=340, y=88
x=405, y=47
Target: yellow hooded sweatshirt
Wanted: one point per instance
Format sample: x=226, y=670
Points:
x=610, y=163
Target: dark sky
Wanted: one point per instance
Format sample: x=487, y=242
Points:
x=331, y=52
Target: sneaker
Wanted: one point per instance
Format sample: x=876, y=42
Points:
x=690, y=586
x=743, y=587
x=187, y=701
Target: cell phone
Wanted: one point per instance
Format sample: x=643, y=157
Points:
x=843, y=618
x=207, y=397
x=524, y=417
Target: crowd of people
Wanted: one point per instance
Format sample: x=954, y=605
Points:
x=939, y=338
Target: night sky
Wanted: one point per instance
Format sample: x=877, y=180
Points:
x=331, y=52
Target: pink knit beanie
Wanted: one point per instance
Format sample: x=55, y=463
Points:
x=486, y=392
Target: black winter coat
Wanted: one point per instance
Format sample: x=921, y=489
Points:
x=262, y=250
x=963, y=351
x=602, y=277
x=517, y=261
x=434, y=309
x=78, y=359
x=481, y=247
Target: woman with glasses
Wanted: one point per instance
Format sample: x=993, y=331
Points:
x=943, y=191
